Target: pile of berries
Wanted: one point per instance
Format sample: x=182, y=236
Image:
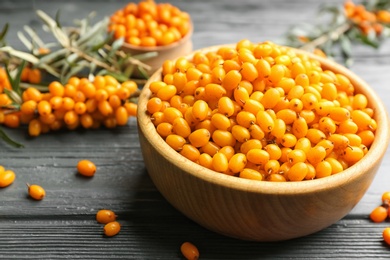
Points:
x=261, y=111
x=367, y=21
x=80, y=102
x=150, y=24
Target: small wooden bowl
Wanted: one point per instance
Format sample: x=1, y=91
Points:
x=172, y=51
x=253, y=210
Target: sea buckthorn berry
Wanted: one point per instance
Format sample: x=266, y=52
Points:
x=251, y=174
x=190, y=152
x=105, y=216
x=44, y=108
x=86, y=168
x=287, y=115
x=131, y=108
x=56, y=89
x=220, y=121
x=12, y=120
x=237, y=163
x=36, y=192
x=359, y=102
x=175, y=141
x=272, y=167
x=299, y=127
x=166, y=92
x=327, y=125
x=265, y=121
x=352, y=154
x=225, y=106
x=28, y=107
x=7, y=177
x=385, y=197
x=205, y=160
x=33, y=94
x=68, y=103
x=276, y=177
x=240, y=133
x=121, y=116
x=279, y=128
x=258, y=156
x=296, y=156
x=112, y=228
x=199, y=138
x=34, y=127
x=379, y=214
x=270, y=98
x=223, y=138
x=200, y=110
x=189, y=251
x=323, y=169
x=386, y=235
x=297, y=172
x=220, y=162
x=316, y=154
x=231, y=80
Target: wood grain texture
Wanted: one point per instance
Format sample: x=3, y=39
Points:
x=63, y=227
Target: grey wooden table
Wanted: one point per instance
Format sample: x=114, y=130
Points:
x=63, y=224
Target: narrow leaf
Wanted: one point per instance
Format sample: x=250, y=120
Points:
x=8, y=140
x=19, y=54
x=346, y=46
x=146, y=55
x=52, y=56
x=4, y=31
x=92, y=32
x=34, y=36
x=25, y=41
x=16, y=86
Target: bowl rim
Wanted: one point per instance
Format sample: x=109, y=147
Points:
x=160, y=48
x=373, y=156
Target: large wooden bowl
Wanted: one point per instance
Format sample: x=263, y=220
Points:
x=253, y=210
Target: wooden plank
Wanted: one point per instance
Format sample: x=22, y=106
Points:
x=63, y=225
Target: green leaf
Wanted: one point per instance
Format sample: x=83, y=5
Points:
x=346, y=46
x=129, y=71
x=115, y=46
x=16, y=86
x=8, y=140
x=60, y=35
x=57, y=18
x=145, y=56
x=25, y=41
x=20, y=54
x=143, y=72
x=92, y=32
x=4, y=31
x=50, y=57
x=34, y=36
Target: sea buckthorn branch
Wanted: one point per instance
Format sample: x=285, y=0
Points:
x=367, y=23
x=78, y=49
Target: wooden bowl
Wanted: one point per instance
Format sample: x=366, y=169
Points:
x=172, y=51
x=255, y=210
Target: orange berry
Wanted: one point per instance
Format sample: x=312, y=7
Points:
x=112, y=228
x=105, y=216
x=86, y=168
x=36, y=192
x=7, y=177
x=189, y=251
